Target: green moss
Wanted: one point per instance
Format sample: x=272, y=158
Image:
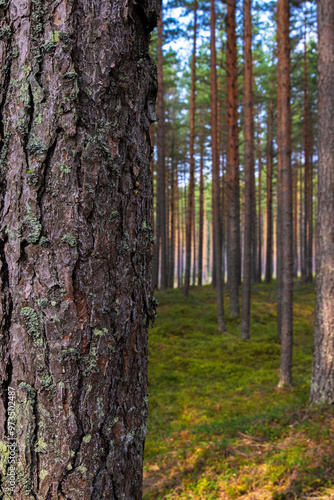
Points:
x=32, y=224
x=70, y=240
x=87, y=438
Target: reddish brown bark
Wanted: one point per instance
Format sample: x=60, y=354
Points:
x=233, y=192
x=215, y=175
x=249, y=169
x=285, y=295
x=322, y=384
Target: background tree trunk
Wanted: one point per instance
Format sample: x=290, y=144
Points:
x=285, y=186
x=249, y=169
x=233, y=191
x=215, y=175
x=160, y=249
x=322, y=384
x=75, y=249
x=191, y=192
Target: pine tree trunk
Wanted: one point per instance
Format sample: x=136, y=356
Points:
x=308, y=222
x=215, y=175
x=322, y=383
x=259, y=246
x=233, y=229
x=76, y=100
x=201, y=209
x=285, y=295
x=249, y=169
x=191, y=191
x=160, y=250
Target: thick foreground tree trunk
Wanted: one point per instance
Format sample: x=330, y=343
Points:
x=322, y=384
x=77, y=98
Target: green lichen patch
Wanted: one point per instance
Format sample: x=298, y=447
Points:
x=30, y=392
x=91, y=361
x=36, y=146
x=68, y=353
x=100, y=333
x=49, y=385
x=41, y=446
x=43, y=474
x=70, y=240
x=31, y=224
x=43, y=241
x=31, y=321
x=87, y=438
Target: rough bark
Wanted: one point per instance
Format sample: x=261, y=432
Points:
x=322, y=383
x=77, y=95
x=233, y=229
x=285, y=296
x=215, y=175
x=249, y=169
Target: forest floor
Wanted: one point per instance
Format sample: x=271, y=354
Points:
x=218, y=426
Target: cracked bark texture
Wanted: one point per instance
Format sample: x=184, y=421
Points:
x=322, y=383
x=77, y=96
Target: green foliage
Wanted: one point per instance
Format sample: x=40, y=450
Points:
x=218, y=425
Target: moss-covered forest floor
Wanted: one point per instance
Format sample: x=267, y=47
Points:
x=218, y=426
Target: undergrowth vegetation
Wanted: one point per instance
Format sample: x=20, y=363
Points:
x=218, y=426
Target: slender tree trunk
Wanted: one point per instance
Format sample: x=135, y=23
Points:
x=76, y=103
x=171, y=252
x=301, y=219
x=201, y=209
x=308, y=222
x=295, y=219
x=249, y=169
x=191, y=192
x=215, y=175
x=233, y=238
x=322, y=384
x=160, y=251
x=285, y=185
x=259, y=246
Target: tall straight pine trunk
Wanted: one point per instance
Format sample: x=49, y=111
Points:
x=285, y=233
x=322, y=383
x=249, y=169
x=215, y=175
x=191, y=192
x=233, y=192
x=160, y=249
x=77, y=95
